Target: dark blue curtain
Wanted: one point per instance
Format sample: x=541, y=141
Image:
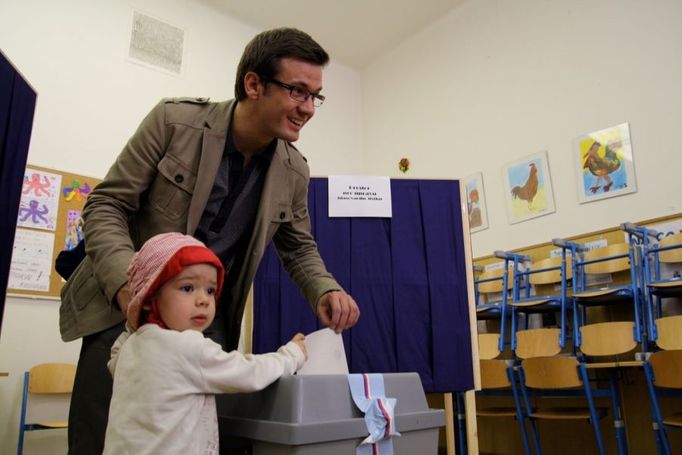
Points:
x=17, y=104
x=407, y=273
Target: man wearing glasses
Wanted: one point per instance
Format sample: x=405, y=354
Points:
x=226, y=173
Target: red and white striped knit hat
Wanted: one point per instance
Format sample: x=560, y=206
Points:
x=160, y=259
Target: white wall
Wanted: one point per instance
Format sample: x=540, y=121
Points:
x=495, y=80
x=90, y=100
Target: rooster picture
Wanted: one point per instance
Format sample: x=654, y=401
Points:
x=601, y=166
x=529, y=189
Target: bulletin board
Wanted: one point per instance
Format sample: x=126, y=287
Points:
x=48, y=222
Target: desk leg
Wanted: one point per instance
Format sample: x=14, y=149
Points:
x=449, y=423
x=472, y=428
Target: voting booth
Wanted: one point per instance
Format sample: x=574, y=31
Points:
x=317, y=414
x=410, y=274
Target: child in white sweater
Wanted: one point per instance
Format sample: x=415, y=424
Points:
x=165, y=372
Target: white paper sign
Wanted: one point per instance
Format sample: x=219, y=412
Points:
x=359, y=196
x=326, y=354
x=31, y=260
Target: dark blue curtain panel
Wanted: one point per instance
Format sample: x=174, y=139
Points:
x=408, y=275
x=17, y=105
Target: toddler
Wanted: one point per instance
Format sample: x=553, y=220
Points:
x=165, y=372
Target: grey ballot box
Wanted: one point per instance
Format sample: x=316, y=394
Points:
x=315, y=414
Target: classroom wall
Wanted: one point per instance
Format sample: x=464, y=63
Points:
x=494, y=81
x=90, y=100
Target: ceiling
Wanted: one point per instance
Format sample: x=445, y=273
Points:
x=354, y=32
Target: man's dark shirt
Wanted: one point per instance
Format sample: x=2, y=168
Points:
x=227, y=222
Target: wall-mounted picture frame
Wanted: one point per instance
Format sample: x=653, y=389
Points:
x=528, y=188
x=476, y=206
x=604, y=164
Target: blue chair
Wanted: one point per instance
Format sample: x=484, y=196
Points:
x=498, y=378
x=492, y=290
x=53, y=380
x=546, y=374
x=662, y=275
x=663, y=371
x=534, y=291
x=607, y=347
x=588, y=291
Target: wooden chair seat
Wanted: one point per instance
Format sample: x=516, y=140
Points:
x=55, y=424
x=565, y=413
x=602, y=293
x=667, y=284
x=608, y=338
x=616, y=364
x=537, y=302
x=488, y=307
x=496, y=412
x=672, y=255
x=488, y=345
x=538, y=343
x=674, y=420
x=669, y=330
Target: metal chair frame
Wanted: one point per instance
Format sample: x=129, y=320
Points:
x=655, y=286
x=537, y=347
x=617, y=294
x=526, y=303
x=657, y=361
x=495, y=310
x=499, y=387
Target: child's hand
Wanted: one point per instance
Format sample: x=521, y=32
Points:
x=299, y=339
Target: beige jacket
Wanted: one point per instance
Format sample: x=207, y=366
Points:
x=161, y=182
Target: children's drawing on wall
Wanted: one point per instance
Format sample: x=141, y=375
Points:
x=39, y=200
x=74, y=230
x=476, y=207
x=78, y=191
x=528, y=188
x=31, y=261
x=604, y=164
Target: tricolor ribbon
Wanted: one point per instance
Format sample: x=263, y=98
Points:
x=369, y=396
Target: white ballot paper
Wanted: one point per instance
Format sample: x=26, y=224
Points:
x=326, y=354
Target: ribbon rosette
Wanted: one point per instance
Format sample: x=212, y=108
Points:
x=369, y=396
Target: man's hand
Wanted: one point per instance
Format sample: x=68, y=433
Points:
x=123, y=299
x=338, y=311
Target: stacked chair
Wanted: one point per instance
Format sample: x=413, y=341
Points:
x=657, y=285
x=589, y=265
x=534, y=290
x=612, y=313
x=491, y=290
x=663, y=366
x=498, y=376
x=547, y=373
x=663, y=371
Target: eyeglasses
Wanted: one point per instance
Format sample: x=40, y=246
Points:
x=298, y=93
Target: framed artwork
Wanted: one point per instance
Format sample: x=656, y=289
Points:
x=528, y=188
x=604, y=164
x=476, y=207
